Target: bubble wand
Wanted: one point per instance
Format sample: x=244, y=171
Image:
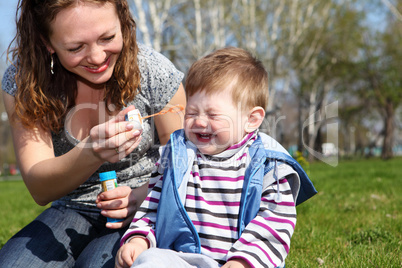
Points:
x=135, y=117
x=174, y=109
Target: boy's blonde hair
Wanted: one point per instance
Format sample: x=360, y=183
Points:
x=233, y=67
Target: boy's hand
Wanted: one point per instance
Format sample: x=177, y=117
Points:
x=127, y=254
x=236, y=263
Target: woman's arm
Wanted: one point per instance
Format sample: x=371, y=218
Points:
x=126, y=208
x=169, y=122
x=48, y=177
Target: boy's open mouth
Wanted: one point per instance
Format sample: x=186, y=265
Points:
x=203, y=137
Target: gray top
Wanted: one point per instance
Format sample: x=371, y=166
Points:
x=159, y=82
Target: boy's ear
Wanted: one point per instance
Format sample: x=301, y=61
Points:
x=254, y=119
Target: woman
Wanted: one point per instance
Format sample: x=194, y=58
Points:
x=77, y=65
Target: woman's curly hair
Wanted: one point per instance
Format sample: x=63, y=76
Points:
x=43, y=99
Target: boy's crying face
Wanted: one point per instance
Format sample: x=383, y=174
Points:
x=213, y=122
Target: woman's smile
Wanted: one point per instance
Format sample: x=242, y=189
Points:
x=98, y=69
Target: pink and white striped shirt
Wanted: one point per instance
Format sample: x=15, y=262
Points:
x=212, y=203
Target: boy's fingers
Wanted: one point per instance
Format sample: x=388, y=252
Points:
x=127, y=256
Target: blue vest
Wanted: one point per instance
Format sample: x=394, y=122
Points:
x=174, y=229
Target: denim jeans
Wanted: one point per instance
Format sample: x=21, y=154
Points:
x=63, y=237
x=166, y=258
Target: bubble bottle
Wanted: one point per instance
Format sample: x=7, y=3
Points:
x=109, y=182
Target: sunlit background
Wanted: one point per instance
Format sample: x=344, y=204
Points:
x=335, y=84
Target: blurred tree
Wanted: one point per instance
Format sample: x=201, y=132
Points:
x=374, y=81
x=152, y=18
x=391, y=94
x=319, y=63
x=382, y=80
x=309, y=46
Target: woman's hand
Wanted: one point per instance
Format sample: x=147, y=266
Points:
x=116, y=138
x=121, y=203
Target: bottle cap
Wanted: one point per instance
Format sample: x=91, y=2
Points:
x=109, y=175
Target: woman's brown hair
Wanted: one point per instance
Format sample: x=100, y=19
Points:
x=43, y=98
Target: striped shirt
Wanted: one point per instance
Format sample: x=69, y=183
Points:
x=212, y=203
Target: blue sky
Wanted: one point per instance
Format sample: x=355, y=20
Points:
x=7, y=28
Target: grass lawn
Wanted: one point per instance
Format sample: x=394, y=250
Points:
x=18, y=208
x=354, y=221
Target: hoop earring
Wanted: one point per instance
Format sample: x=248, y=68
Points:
x=51, y=64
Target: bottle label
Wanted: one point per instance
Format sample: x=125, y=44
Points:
x=109, y=185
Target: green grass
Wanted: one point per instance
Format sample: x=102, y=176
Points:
x=354, y=221
x=17, y=208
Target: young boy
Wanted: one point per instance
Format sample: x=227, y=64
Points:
x=223, y=194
